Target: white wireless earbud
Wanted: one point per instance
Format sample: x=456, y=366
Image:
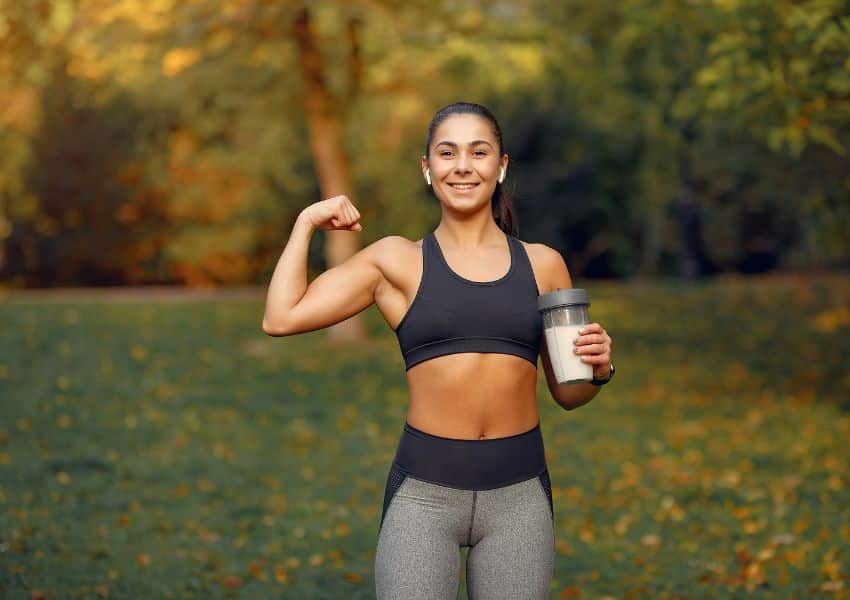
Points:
x=502, y=176
x=428, y=176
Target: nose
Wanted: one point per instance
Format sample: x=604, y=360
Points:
x=462, y=164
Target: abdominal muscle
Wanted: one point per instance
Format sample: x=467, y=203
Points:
x=473, y=395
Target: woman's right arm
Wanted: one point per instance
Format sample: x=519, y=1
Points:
x=293, y=306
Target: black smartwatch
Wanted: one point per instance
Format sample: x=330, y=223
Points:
x=601, y=382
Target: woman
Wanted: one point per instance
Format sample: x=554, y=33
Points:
x=469, y=469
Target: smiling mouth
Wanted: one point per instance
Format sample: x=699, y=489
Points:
x=463, y=186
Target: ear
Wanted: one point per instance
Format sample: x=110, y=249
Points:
x=503, y=168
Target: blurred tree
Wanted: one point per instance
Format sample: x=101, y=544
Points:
x=83, y=171
x=778, y=68
x=26, y=37
x=636, y=71
x=779, y=71
x=326, y=141
x=645, y=137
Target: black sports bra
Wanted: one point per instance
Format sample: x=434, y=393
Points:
x=452, y=314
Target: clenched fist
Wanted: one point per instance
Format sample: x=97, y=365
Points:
x=334, y=213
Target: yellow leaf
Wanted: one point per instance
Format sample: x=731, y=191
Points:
x=585, y=534
x=622, y=525
x=280, y=574
x=179, y=59
x=765, y=554
x=754, y=526
x=315, y=560
x=138, y=352
x=829, y=320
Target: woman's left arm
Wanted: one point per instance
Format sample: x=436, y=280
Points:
x=593, y=344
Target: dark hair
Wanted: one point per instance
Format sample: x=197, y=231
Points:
x=503, y=210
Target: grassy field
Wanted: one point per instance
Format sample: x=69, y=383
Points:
x=159, y=449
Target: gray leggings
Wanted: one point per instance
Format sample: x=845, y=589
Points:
x=509, y=531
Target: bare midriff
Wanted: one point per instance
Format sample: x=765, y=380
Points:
x=473, y=395
x=466, y=395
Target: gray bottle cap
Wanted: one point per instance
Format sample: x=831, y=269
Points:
x=562, y=297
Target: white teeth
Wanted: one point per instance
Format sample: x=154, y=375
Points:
x=463, y=186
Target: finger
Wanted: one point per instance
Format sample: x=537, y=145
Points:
x=339, y=219
x=591, y=349
x=593, y=338
x=349, y=211
x=339, y=208
x=596, y=359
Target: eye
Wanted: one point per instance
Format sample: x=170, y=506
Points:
x=445, y=153
x=481, y=152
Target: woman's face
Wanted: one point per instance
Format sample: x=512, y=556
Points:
x=464, y=150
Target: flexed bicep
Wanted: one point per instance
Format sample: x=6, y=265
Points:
x=337, y=294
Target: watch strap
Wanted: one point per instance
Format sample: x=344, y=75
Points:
x=601, y=382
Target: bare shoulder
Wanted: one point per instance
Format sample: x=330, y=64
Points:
x=395, y=249
x=550, y=268
x=401, y=241
x=398, y=258
x=385, y=248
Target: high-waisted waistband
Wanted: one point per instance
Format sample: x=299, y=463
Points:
x=471, y=464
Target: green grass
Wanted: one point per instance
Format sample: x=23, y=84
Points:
x=174, y=451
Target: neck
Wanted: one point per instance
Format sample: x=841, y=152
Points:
x=469, y=236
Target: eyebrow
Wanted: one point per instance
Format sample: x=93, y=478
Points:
x=472, y=143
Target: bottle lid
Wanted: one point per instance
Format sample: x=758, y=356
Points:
x=562, y=297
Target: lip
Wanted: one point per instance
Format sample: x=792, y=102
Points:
x=472, y=185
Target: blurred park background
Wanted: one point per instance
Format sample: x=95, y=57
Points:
x=688, y=159
x=166, y=142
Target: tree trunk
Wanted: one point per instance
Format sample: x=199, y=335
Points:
x=690, y=238
x=648, y=266
x=325, y=127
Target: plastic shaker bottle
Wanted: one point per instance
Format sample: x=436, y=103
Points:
x=564, y=312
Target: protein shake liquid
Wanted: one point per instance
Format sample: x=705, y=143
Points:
x=564, y=312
